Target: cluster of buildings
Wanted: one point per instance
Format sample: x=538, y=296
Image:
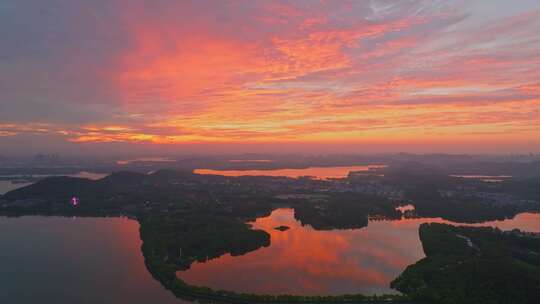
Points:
x=493, y=198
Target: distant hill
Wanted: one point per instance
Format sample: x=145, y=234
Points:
x=57, y=187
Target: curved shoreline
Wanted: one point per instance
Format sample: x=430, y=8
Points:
x=166, y=275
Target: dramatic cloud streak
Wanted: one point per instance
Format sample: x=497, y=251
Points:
x=229, y=72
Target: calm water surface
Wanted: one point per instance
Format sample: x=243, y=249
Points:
x=98, y=260
x=145, y=160
x=305, y=261
x=316, y=172
x=75, y=260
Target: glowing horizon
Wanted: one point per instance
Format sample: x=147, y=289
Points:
x=288, y=75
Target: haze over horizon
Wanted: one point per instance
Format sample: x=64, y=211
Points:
x=109, y=76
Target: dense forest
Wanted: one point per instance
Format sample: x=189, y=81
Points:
x=474, y=265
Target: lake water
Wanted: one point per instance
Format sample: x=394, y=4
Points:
x=305, y=261
x=89, y=175
x=98, y=260
x=145, y=160
x=75, y=260
x=316, y=172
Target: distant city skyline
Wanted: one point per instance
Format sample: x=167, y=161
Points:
x=164, y=77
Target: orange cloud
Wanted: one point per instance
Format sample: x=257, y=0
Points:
x=348, y=72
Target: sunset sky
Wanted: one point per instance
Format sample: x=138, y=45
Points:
x=277, y=76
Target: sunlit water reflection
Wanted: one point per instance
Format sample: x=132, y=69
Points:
x=315, y=172
x=305, y=261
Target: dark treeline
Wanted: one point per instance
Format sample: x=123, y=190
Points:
x=474, y=265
